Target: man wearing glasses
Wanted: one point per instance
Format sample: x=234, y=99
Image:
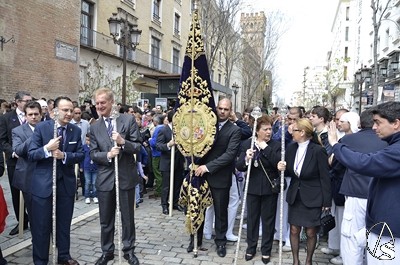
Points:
x=9, y=121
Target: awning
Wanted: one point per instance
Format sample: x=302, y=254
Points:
x=221, y=88
x=146, y=85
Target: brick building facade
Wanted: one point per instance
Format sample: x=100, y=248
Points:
x=44, y=57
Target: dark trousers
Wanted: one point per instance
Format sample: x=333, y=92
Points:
x=263, y=206
x=107, y=207
x=221, y=201
x=3, y=261
x=15, y=193
x=42, y=224
x=166, y=179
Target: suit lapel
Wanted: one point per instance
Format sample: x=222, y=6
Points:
x=308, y=157
x=27, y=131
x=120, y=124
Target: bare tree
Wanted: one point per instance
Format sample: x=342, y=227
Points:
x=378, y=14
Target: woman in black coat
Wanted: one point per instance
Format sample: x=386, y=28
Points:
x=310, y=188
x=261, y=201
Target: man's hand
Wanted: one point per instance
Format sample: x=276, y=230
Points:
x=113, y=152
x=332, y=133
x=117, y=138
x=281, y=165
x=57, y=154
x=171, y=143
x=53, y=144
x=200, y=171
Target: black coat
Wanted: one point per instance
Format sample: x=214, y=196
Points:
x=269, y=157
x=313, y=184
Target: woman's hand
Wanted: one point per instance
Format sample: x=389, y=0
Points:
x=249, y=155
x=282, y=165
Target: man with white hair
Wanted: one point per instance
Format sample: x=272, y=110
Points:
x=45, y=110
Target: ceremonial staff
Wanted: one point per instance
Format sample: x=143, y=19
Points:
x=114, y=116
x=282, y=187
x=172, y=176
x=256, y=113
x=55, y=135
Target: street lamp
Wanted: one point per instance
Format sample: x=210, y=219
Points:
x=362, y=75
x=235, y=89
x=126, y=36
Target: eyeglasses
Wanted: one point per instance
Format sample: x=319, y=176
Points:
x=25, y=100
x=296, y=130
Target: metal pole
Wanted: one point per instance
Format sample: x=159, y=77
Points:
x=125, y=44
x=359, y=103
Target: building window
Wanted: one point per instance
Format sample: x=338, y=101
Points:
x=156, y=9
x=155, y=53
x=347, y=13
x=212, y=75
x=219, y=78
x=345, y=73
x=177, y=23
x=346, y=53
x=346, y=36
x=87, y=23
x=175, y=61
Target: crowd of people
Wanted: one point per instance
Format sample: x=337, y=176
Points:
x=339, y=162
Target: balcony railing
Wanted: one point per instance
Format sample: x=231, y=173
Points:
x=101, y=42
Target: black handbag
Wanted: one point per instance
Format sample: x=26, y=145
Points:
x=275, y=183
x=327, y=223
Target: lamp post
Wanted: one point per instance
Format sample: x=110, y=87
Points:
x=127, y=36
x=362, y=75
x=235, y=89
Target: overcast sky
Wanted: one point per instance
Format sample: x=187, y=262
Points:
x=306, y=41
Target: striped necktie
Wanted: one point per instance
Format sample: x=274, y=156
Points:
x=61, y=132
x=109, y=126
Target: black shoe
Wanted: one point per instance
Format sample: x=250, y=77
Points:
x=15, y=230
x=131, y=258
x=265, y=260
x=249, y=256
x=104, y=259
x=178, y=207
x=221, y=251
x=165, y=210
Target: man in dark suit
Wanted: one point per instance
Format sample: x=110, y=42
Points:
x=9, y=121
x=217, y=166
x=21, y=138
x=164, y=144
x=103, y=152
x=67, y=149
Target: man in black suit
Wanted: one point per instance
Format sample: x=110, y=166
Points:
x=164, y=143
x=9, y=121
x=217, y=166
x=21, y=138
x=103, y=152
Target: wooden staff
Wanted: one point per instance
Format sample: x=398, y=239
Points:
x=283, y=136
x=114, y=116
x=256, y=113
x=56, y=114
x=171, y=179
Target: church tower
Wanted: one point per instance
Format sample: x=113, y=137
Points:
x=253, y=27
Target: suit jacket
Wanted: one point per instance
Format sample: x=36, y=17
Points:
x=101, y=144
x=220, y=160
x=42, y=178
x=8, y=122
x=313, y=184
x=21, y=139
x=163, y=137
x=1, y=162
x=269, y=157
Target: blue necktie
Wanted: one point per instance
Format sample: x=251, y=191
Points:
x=60, y=132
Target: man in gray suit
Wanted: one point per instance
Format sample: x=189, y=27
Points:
x=103, y=153
x=21, y=138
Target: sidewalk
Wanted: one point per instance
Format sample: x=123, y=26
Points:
x=161, y=240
